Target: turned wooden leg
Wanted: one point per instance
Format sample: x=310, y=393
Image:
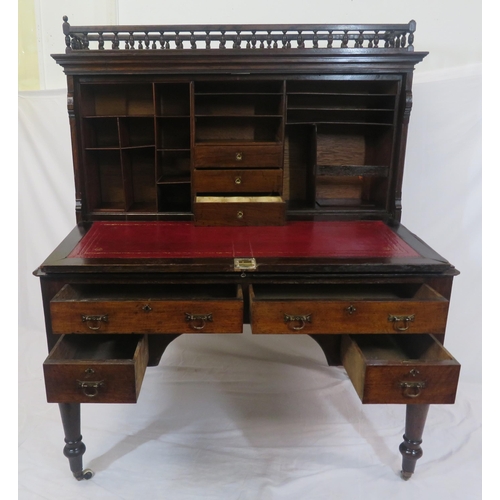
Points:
x=74, y=449
x=410, y=447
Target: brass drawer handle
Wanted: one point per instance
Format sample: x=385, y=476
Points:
x=401, y=319
x=412, y=389
x=239, y=156
x=237, y=180
x=198, y=321
x=90, y=389
x=239, y=215
x=94, y=322
x=300, y=319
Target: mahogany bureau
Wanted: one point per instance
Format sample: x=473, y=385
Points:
x=231, y=175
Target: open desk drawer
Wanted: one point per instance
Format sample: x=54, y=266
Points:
x=105, y=308
x=96, y=369
x=356, y=308
x=400, y=369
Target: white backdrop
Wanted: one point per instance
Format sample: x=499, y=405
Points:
x=259, y=418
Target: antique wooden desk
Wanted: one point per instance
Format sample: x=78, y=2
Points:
x=243, y=174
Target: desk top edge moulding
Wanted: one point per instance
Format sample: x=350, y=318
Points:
x=243, y=174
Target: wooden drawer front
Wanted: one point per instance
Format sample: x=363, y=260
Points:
x=404, y=369
x=96, y=369
x=347, y=309
x=239, y=211
x=225, y=156
x=234, y=181
x=147, y=309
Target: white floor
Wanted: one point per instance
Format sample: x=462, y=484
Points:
x=244, y=418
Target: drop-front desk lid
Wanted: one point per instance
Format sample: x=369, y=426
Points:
x=297, y=247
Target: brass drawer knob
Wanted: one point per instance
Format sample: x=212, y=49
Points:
x=239, y=156
x=239, y=215
x=237, y=180
x=300, y=321
x=401, y=323
x=95, y=322
x=198, y=321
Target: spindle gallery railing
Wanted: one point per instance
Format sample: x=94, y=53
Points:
x=241, y=36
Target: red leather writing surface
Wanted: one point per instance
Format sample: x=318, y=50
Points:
x=142, y=240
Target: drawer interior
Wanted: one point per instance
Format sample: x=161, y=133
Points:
x=401, y=348
x=95, y=347
x=146, y=292
x=396, y=291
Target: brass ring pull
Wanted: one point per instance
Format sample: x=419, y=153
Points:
x=94, y=322
x=239, y=215
x=300, y=319
x=237, y=180
x=239, y=156
x=401, y=319
x=90, y=389
x=198, y=321
x=412, y=389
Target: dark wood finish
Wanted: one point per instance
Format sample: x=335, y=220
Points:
x=237, y=156
x=239, y=211
x=136, y=37
x=238, y=181
x=330, y=345
x=157, y=345
x=74, y=447
x=231, y=174
x=416, y=415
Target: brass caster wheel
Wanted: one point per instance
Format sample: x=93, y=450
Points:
x=406, y=475
x=85, y=474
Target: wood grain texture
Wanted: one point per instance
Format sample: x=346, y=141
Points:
x=238, y=155
x=121, y=375
x=126, y=314
x=238, y=181
x=377, y=378
x=356, y=315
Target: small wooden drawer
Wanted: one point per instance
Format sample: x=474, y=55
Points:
x=106, y=308
x=238, y=181
x=96, y=369
x=400, y=369
x=231, y=155
x=363, y=308
x=239, y=211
